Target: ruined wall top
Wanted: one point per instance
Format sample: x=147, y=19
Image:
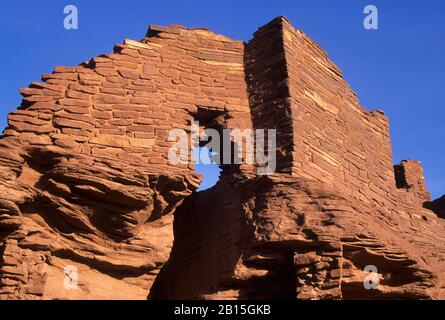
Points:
x=122, y=106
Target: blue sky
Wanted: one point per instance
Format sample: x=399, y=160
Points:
x=399, y=68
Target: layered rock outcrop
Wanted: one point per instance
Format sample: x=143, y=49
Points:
x=86, y=185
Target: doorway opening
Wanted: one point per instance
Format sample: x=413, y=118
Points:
x=209, y=170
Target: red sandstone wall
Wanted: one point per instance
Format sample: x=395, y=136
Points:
x=270, y=237
x=209, y=241
x=411, y=179
x=122, y=105
x=335, y=139
x=268, y=88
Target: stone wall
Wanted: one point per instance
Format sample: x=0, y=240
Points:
x=122, y=105
x=409, y=176
x=267, y=80
x=310, y=234
x=335, y=139
x=85, y=180
x=84, y=165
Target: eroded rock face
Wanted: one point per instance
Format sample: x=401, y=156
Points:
x=438, y=206
x=91, y=208
x=294, y=238
x=111, y=220
x=85, y=180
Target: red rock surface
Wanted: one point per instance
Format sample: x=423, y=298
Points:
x=85, y=180
x=438, y=206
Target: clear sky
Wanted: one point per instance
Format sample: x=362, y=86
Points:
x=399, y=68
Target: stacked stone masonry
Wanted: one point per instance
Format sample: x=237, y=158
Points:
x=85, y=180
